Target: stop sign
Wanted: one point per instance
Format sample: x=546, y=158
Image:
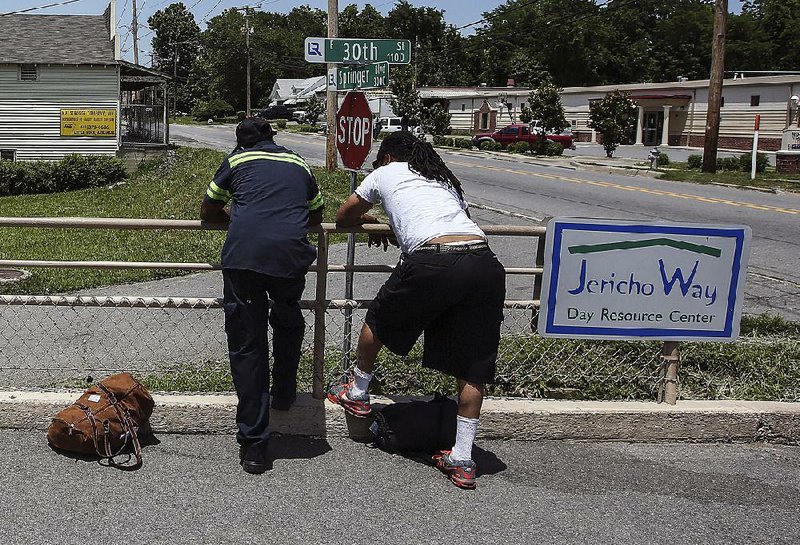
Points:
x=354, y=130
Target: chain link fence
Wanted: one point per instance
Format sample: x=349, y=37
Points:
x=179, y=344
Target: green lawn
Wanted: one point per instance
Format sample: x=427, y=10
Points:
x=172, y=189
x=767, y=180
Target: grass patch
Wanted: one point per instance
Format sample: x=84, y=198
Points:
x=763, y=365
x=768, y=180
x=171, y=189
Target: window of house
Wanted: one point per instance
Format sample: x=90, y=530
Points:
x=8, y=155
x=463, y=107
x=722, y=102
x=485, y=120
x=755, y=100
x=28, y=72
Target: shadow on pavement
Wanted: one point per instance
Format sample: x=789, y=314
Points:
x=293, y=447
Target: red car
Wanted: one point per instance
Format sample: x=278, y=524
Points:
x=523, y=132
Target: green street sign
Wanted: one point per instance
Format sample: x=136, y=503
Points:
x=369, y=76
x=357, y=50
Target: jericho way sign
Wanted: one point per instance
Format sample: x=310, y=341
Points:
x=623, y=280
x=354, y=130
x=357, y=50
x=370, y=76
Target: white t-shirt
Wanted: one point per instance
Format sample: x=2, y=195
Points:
x=419, y=209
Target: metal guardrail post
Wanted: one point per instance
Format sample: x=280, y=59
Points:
x=320, y=308
x=670, y=361
x=537, y=282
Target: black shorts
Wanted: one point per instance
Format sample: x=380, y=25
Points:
x=456, y=299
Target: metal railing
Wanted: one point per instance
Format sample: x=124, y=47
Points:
x=521, y=351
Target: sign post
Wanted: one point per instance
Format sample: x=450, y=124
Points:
x=755, y=147
x=354, y=141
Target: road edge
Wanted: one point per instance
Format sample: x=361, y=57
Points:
x=502, y=418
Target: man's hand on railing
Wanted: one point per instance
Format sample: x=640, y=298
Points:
x=378, y=239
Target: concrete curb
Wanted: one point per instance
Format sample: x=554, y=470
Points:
x=516, y=419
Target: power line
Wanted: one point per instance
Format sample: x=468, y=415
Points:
x=55, y=4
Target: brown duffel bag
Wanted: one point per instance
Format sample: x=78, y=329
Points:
x=105, y=420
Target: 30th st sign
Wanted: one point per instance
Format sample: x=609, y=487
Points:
x=623, y=280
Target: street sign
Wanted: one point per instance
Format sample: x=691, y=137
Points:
x=357, y=50
x=370, y=76
x=354, y=130
x=625, y=280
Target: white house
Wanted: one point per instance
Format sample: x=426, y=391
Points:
x=65, y=90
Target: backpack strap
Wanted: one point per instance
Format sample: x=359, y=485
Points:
x=130, y=434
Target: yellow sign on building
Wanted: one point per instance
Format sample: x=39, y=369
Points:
x=101, y=122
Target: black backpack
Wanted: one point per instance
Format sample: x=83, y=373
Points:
x=416, y=426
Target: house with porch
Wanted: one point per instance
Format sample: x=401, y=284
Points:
x=64, y=89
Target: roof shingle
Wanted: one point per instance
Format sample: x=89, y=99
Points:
x=55, y=39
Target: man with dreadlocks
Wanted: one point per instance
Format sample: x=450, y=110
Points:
x=448, y=284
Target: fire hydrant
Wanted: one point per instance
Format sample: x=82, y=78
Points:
x=653, y=158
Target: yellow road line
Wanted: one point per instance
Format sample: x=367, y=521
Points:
x=659, y=192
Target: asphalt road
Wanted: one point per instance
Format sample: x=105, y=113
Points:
x=539, y=189
x=191, y=490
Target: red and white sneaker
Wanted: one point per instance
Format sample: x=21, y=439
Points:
x=460, y=472
x=356, y=405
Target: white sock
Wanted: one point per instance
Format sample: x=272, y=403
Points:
x=466, y=429
x=361, y=382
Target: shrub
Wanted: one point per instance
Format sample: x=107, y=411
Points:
x=663, y=159
x=746, y=162
x=695, y=161
x=73, y=172
x=281, y=123
x=728, y=163
x=308, y=128
x=464, y=143
x=553, y=149
x=241, y=115
x=519, y=147
x=214, y=109
x=439, y=140
x=491, y=145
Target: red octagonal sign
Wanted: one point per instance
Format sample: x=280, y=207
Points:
x=354, y=130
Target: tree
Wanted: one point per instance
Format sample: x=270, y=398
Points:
x=614, y=117
x=314, y=108
x=434, y=118
x=405, y=98
x=176, y=44
x=545, y=106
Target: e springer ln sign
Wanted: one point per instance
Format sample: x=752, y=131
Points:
x=622, y=280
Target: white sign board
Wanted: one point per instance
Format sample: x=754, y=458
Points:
x=621, y=280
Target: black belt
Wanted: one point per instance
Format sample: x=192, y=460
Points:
x=451, y=248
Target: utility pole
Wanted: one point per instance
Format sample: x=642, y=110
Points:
x=715, y=87
x=135, y=32
x=332, y=101
x=247, y=43
x=175, y=79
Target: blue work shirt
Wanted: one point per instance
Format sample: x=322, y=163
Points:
x=272, y=191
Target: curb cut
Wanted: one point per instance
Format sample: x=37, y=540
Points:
x=616, y=170
x=501, y=418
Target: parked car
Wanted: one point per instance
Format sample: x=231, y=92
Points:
x=299, y=116
x=522, y=132
x=277, y=111
x=393, y=124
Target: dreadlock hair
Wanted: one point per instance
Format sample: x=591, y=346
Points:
x=421, y=157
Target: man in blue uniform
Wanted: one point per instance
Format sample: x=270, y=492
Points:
x=274, y=200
